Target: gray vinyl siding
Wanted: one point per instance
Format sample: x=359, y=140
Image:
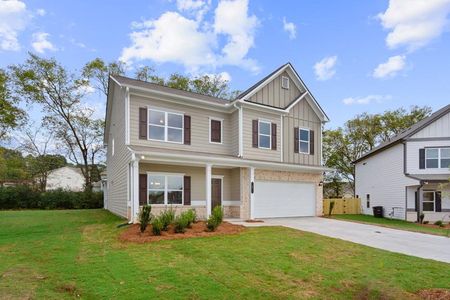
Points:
x=199, y=126
x=234, y=120
x=256, y=153
x=274, y=95
x=439, y=128
x=303, y=116
x=117, y=165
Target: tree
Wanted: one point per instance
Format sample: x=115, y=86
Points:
x=361, y=134
x=59, y=93
x=11, y=116
x=12, y=165
x=98, y=71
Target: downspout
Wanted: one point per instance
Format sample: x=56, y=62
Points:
x=240, y=133
x=419, y=202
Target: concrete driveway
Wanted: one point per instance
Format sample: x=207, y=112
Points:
x=400, y=241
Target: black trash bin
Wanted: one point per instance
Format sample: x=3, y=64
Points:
x=378, y=211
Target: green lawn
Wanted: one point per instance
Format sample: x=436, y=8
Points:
x=397, y=224
x=68, y=254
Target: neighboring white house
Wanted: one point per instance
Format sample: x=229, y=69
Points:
x=68, y=178
x=409, y=174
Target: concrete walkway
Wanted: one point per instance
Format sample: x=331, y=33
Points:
x=400, y=241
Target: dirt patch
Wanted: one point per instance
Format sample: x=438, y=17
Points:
x=435, y=294
x=69, y=288
x=132, y=233
x=254, y=221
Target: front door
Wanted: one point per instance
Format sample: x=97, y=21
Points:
x=216, y=192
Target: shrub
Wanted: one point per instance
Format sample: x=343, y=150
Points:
x=425, y=222
x=421, y=217
x=157, y=226
x=144, y=217
x=167, y=217
x=439, y=223
x=215, y=219
x=191, y=216
x=218, y=213
x=331, y=207
x=181, y=222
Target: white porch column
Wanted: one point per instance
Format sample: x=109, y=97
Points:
x=252, y=192
x=134, y=190
x=208, y=189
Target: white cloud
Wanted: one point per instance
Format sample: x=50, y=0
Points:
x=194, y=43
x=13, y=19
x=223, y=75
x=414, y=23
x=290, y=28
x=196, y=7
x=366, y=100
x=41, y=12
x=390, y=68
x=41, y=43
x=325, y=69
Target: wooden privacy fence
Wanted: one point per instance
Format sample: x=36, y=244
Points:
x=342, y=206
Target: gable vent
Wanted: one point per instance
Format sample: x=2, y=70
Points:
x=285, y=82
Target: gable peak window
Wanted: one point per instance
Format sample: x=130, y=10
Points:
x=264, y=134
x=304, y=140
x=437, y=158
x=165, y=126
x=215, y=130
x=285, y=82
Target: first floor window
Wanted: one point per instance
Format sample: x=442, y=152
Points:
x=165, y=189
x=264, y=134
x=428, y=200
x=304, y=141
x=437, y=158
x=165, y=126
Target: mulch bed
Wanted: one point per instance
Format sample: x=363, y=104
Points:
x=434, y=294
x=133, y=234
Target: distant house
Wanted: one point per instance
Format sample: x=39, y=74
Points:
x=68, y=178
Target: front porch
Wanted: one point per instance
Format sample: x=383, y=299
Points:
x=432, y=198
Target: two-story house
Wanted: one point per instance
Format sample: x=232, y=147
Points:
x=257, y=156
x=409, y=174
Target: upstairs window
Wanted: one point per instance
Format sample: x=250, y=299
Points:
x=285, y=82
x=436, y=158
x=264, y=134
x=165, y=126
x=304, y=141
x=215, y=131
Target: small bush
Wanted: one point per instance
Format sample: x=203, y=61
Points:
x=181, y=223
x=157, y=226
x=215, y=219
x=144, y=217
x=331, y=207
x=167, y=217
x=425, y=222
x=439, y=223
x=421, y=217
x=218, y=213
x=191, y=215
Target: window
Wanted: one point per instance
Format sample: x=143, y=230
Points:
x=165, y=126
x=264, y=134
x=165, y=189
x=437, y=158
x=304, y=140
x=285, y=82
x=215, y=131
x=428, y=200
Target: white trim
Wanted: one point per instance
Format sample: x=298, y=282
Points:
x=112, y=147
x=231, y=203
x=127, y=116
x=263, y=107
x=221, y=130
x=300, y=141
x=252, y=195
x=208, y=169
x=282, y=79
x=270, y=134
x=221, y=188
x=297, y=100
x=165, y=126
x=166, y=175
x=115, y=80
x=241, y=132
x=135, y=191
x=281, y=138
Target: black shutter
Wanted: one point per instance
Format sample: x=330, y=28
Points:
x=187, y=130
x=274, y=136
x=142, y=189
x=421, y=158
x=416, y=201
x=296, y=140
x=255, y=133
x=187, y=190
x=311, y=142
x=142, y=123
x=438, y=201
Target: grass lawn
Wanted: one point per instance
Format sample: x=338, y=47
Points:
x=397, y=224
x=68, y=254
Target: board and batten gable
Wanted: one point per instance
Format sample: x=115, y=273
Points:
x=273, y=94
x=199, y=126
x=381, y=176
x=439, y=128
x=117, y=161
x=303, y=116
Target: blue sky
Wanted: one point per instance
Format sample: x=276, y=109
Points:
x=355, y=56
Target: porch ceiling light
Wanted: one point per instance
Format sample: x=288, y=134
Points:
x=142, y=157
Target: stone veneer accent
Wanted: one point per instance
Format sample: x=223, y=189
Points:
x=244, y=212
x=270, y=175
x=231, y=211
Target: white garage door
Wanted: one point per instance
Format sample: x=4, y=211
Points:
x=284, y=199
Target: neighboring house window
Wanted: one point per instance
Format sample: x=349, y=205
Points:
x=437, y=158
x=368, y=200
x=285, y=82
x=264, y=134
x=165, y=189
x=165, y=126
x=304, y=140
x=428, y=200
x=215, y=131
